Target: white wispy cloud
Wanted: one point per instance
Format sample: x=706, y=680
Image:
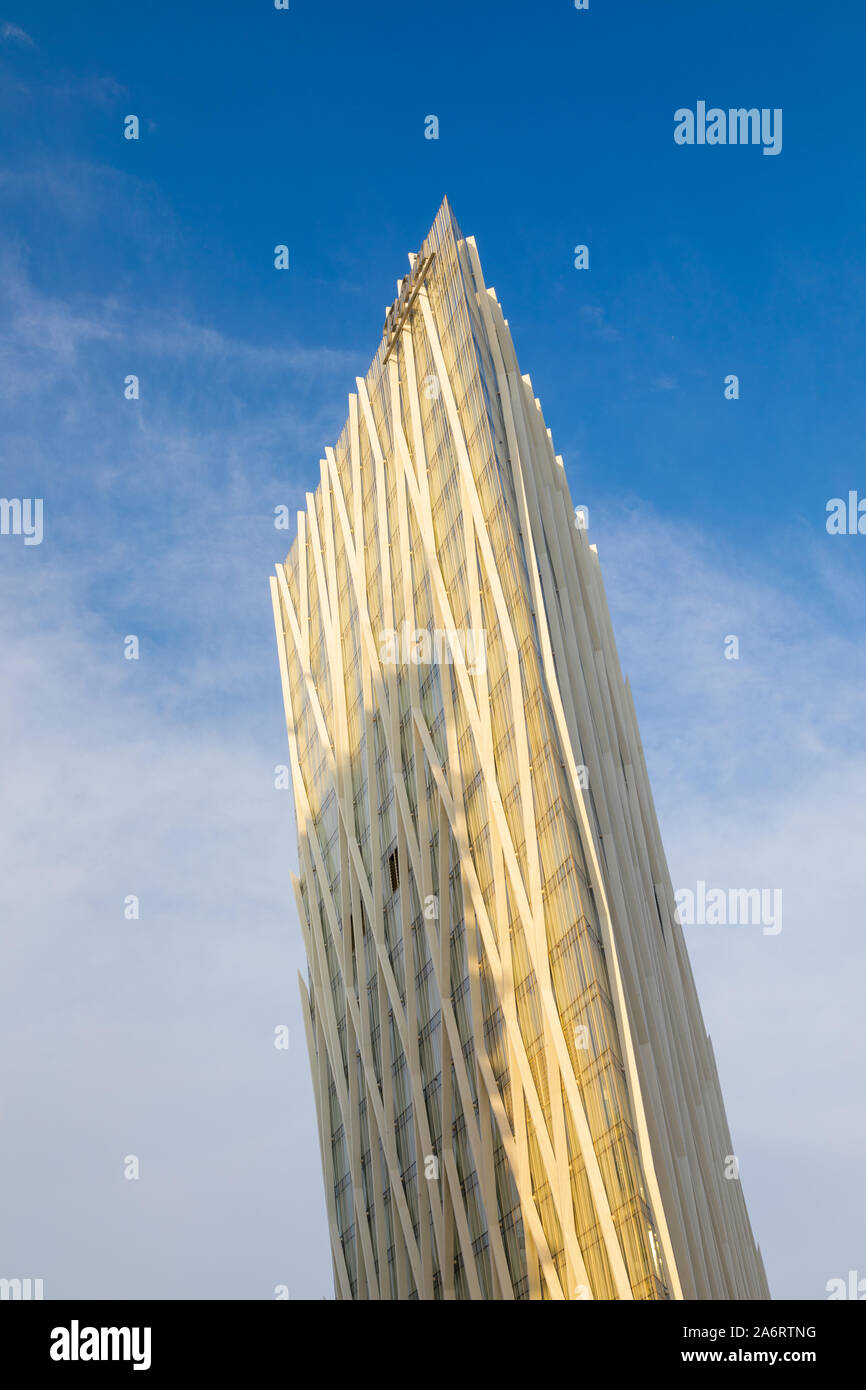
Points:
x=13, y=33
x=153, y=1036
x=596, y=317
x=41, y=334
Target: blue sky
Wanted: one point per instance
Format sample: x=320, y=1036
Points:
x=155, y=257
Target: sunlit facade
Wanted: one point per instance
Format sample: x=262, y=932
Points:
x=516, y=1095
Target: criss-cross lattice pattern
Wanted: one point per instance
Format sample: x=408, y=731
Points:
x=515, y=1093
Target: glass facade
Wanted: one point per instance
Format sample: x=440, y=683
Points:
x=515, y=1093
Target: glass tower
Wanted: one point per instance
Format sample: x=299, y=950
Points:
x=516, y=1095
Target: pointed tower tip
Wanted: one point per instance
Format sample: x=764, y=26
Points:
x=446, y=211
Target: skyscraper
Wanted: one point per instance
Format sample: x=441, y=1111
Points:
x=516, y=1095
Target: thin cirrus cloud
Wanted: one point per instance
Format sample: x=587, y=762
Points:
x=13, y=33
x=151, y=1036
x=33, y=320
x=596, y=317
